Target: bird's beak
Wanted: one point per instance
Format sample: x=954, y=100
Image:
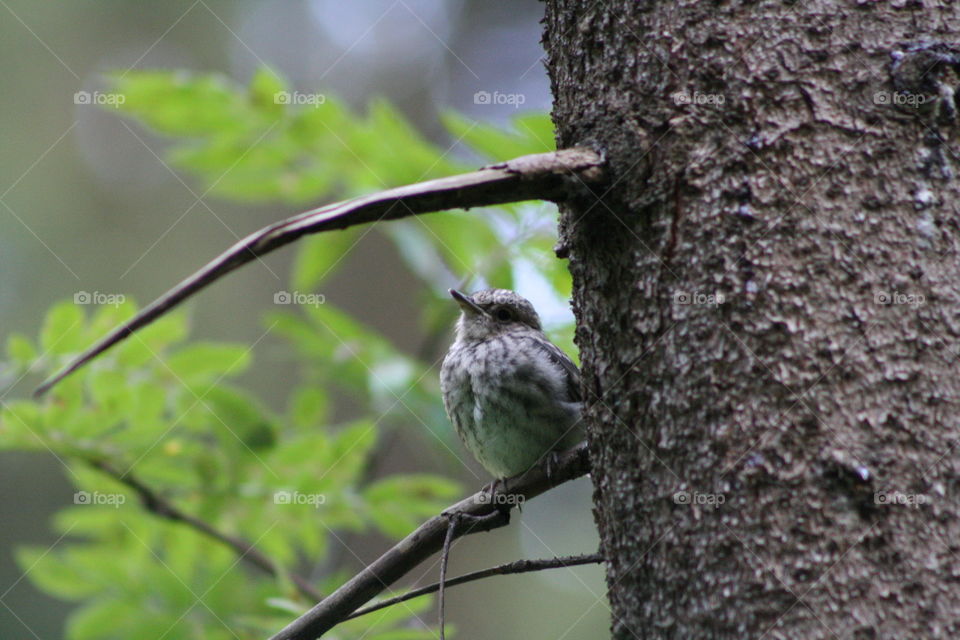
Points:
x=466, y=303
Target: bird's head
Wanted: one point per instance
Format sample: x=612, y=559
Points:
x=490, y=312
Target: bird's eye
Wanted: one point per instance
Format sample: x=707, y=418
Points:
x=503, y=314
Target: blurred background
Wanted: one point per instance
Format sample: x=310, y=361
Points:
x=87, y=203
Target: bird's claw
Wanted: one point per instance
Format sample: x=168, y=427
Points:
x=551, y=462
x=457, y=519
x=491, y=490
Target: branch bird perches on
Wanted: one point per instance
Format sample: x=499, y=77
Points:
x=428, y=538
x=544, y=176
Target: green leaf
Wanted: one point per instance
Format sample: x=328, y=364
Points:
x=147, y=401
x=467, y=240
x=350, y=448
x=62, y=330
x=399, y=503
x=309, y=406
x=538, y=130
x=533, y=134
x=320, y=257
x=20, y=350
x=183, y=104
x=99, y=619
x=49, y=571
x=301, y=334
x=294, y=453
x=241, y=416
x=394, y=152
x=20, y=425
x=165, y=331
x=266, y=89
x=108, y=387
x=418, y=250
x=204, y=359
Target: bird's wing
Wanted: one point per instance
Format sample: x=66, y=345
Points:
x=562, y=359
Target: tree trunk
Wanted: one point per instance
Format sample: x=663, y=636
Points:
x=768, y=304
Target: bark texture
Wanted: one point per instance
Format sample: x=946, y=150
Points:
x=768, y=302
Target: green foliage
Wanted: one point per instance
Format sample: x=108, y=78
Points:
x=175, y=423
x=533, y=133
x=168, y=413
x=257, y=144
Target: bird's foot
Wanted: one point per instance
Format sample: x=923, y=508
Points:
x=496, y=494
x=551, y=463
x=460, y=520
x=491, y=490
x=492, y=494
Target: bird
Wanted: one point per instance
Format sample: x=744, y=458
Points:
x=512, y=395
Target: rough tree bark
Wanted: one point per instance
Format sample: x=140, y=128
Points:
x=768, y=302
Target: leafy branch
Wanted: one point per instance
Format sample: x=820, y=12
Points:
x=163, y=508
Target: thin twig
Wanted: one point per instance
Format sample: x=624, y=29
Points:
x=427, y=539
x=160, y=506
x=510, y=568
x=543, y=176
x=445, y=554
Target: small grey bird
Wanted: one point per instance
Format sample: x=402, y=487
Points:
x=512, y=395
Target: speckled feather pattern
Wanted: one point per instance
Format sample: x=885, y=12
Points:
x=511, y=394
